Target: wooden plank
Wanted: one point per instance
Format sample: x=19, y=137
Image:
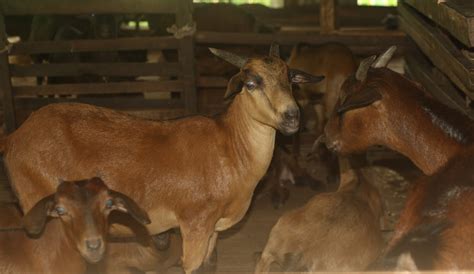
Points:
x=104, y=69
x=5, y=81
x=212, y=82
x=439, y=49
x=100, y=88
x=111, y=102
x=27, y=7
x=436, y=84
x=128, y=43
x=186, y=55
x=327, y=19
x=457, y=17
x=291, y=38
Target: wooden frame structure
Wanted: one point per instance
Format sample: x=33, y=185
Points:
x=444, y=33
x=27, y=97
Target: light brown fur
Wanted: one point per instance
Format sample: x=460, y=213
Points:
x=196, y=173
x=336, y=231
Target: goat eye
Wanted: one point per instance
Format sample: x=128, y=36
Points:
x=60, y=210
x=250, y=85
x=109, y=203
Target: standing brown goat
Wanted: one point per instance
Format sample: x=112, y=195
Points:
x=332, y=60
x=336, y=231
x=380, y=107
x=76, y=234
x=196, y=173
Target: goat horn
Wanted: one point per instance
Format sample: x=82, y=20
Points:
x=275, y=50
x=384, y=58
x=364, y=66
x=230, y=57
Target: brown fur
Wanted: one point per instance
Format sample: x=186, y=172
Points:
x=64, y=245
x=399, y=121
x=334, y=61
x=448, y=195
x=336, y=231
x=197, y=173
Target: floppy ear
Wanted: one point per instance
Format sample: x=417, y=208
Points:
x=35, y=219
x=359, y=99
x=125, y=204
x=300, y=77
x=234, y=86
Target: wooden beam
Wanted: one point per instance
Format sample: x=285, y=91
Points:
x=53, y=7
x=439, y=49
x=130, y=43
x=436, y=83
x=457, y=17
x=111, y=102
x=100, y=88
x=184, y=18
x=5, y=81
x=103, y=69
x=212, y=82
x=327, y=19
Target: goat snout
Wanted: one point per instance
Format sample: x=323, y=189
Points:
x=292, y=115
x=93, y=244
x=290, y=121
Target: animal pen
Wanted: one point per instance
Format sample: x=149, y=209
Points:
x=113, y=69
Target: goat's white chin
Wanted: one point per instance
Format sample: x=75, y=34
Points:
x=288, y=130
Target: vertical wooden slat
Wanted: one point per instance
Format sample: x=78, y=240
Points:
x=5, y=82
x=186, y=55
x=327, y=19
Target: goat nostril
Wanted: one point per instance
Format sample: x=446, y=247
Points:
x=292, y=114
x=93, y=244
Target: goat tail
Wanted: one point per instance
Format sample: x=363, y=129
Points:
x=417, y=250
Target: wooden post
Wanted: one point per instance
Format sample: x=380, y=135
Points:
x=5, y=82
x=327, y=16
x=184, y=16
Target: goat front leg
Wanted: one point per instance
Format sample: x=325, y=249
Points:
x=195, y=246
x=210, y=261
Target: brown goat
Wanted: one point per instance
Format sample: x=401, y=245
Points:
x=76, y=234
x=332, y=60
x=197, y=173
x=336, y=231
x=445, y=198
x=381, y=107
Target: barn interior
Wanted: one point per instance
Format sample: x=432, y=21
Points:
x=151, y=59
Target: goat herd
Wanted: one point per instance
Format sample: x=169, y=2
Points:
x=199, y=174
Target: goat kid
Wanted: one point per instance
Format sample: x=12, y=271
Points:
x=336, y=231
x=380, y=107
x=196, y=173
x=76, y=234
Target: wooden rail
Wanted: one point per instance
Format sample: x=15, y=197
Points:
x=439, y=49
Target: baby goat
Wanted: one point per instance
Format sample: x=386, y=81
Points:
x=76, y=234
x=336, y=231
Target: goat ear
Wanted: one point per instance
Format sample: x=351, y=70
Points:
x=359, y=99
x=301, y=77
x=234, y=86
x=35, y=220
x=125, y=204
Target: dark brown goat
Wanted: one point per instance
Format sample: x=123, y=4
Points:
x=381, y=107
x=197, y=173
x=336, y=231
x=447, y=197
x=76, y=234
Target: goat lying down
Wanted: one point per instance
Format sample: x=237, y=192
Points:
x=336, y=231
x=196, y=173
x=76, y=234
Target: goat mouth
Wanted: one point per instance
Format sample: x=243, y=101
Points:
x=93, y=256
x=289, y=127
